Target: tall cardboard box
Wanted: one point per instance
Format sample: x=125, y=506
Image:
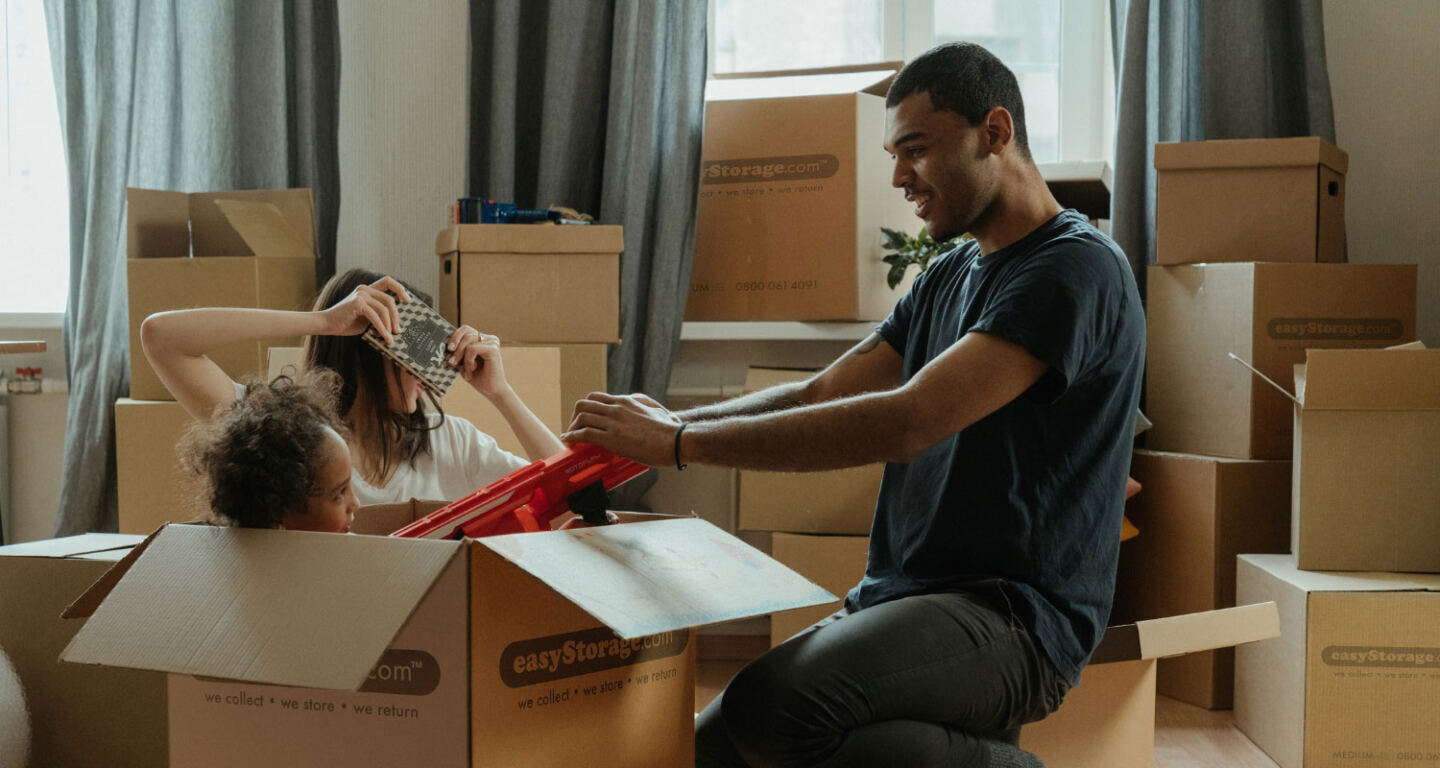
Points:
x=1195, y=514
x=79, y=716
x=836, y=563
x=150, y=486
x=533, y=283
x=290, y=648
x=1250, y=200
x=1354, y=678
x=250, y=248
x=840, y=501
x=1268, y=314
x=1367, y=461
x=794, y=188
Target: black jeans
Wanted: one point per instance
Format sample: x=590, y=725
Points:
x=920, y=681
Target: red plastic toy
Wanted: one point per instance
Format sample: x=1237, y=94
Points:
x=529, y=498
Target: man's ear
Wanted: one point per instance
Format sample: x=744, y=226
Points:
x=999, y=129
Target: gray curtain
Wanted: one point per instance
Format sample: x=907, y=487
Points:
x=1189, y=70
x=598, y=105
x=189, y=95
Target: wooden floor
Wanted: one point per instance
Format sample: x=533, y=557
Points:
x=1185, y=736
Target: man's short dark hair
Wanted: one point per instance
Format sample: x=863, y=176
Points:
x=965, y=79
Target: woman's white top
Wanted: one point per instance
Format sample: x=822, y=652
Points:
x=461, y=460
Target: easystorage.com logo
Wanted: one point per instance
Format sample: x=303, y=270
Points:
x=793, y=168
x=1378, y=656
x=1358, y=328
x=543, y=659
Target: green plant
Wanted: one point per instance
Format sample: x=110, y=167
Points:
x=908, y=250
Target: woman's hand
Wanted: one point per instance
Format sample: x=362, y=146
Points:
x=476, y=356
x=370, y=305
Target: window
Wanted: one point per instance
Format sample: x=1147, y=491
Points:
x=34, y=200
x=1058, y=49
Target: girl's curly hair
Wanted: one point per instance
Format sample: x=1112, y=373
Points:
x=255, y=460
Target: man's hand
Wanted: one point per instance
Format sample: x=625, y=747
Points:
x=633, y=426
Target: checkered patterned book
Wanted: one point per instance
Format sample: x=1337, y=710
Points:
x=419, y=347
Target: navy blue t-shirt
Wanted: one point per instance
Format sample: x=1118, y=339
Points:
x=1032, y=494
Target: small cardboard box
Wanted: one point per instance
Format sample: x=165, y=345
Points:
x=841, y=501
x=78, y=716
x=150, y=486
x=253, y=249
x=533, y=283
x=1109, y=718
x=1195, y=514
x=794, y=188
x=1269, y=314
x=836, y=563
x=1354, y=678
x=289, y=648
x=1250, y=200
x=1367, y=460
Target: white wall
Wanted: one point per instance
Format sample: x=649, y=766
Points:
x=403, y=116
x=1385, y=83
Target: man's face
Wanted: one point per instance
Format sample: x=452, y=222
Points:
x=942, y=163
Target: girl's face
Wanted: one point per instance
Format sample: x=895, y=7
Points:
x=405, y=390
x=331, y=504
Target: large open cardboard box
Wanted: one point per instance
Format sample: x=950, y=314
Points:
x=1195, y=514
x=1269, y=314
x=1354, y=678
x=836, y=563
x=1367, y=460
x=79, y=716
x=533, y=283
x=1250, y=200
x=794, y=188
x=250, y=248
x=1109, y=718
x=289, y=648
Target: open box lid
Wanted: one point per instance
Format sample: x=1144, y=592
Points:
x=1082, y=185
x=73, y=546
x=873, y=79
x=1400, y=378
x=318, y=610
x=1192, y=632
x=271, y=223
x=1249, y=153
x=1283, y=567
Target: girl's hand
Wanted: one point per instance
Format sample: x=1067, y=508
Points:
x=370, y=305
x=476, y=356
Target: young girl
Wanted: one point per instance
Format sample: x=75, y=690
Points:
x=398, y=448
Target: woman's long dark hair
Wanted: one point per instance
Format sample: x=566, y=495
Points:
x=386, y=438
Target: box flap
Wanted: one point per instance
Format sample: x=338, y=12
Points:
x=84, y=606
x=1299, y=377
x=1084, y=186
x=212, y=233
x=284, y=607
x=1249, y=153
x=385, y=519
x=157, y=224
x=873, y=79
x=658, y=577
x=71, y=546
x=264, y=229
x=1192, y=632
x=530, y=238
x=1283, y=567
x=1369, y=379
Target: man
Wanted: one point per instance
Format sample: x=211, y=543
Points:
x=1002, y=392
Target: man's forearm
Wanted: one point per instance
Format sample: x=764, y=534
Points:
x=777, y=398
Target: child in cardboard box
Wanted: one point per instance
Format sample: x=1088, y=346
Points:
x=399, y=448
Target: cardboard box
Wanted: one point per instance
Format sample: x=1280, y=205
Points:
x=1195, y=514
x=1367, y=460
x=1354, y=678
x=841, y=501
x=150, y=486
x=1109, y=718
x=794, y=189
x=836, y=563
x=79, y=716
x=252, y=248
x=1250, y=200
x=354, y=649
x=533, y=283
x=1268, y=314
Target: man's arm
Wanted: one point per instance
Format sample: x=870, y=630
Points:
x=975, y=377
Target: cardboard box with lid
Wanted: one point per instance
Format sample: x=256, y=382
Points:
x=1250, y=200
x=239, y=248
x=1268, y=314
x=533, y=283
x=794, y=188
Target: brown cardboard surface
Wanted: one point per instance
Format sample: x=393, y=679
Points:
x=836, y=563
x=1250, y=200
x=1195, y=514
x=78, y=715
x=793, y=192
x=1268, y=314
x=1354, y=677
x=150, y=485
x=532, y=283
